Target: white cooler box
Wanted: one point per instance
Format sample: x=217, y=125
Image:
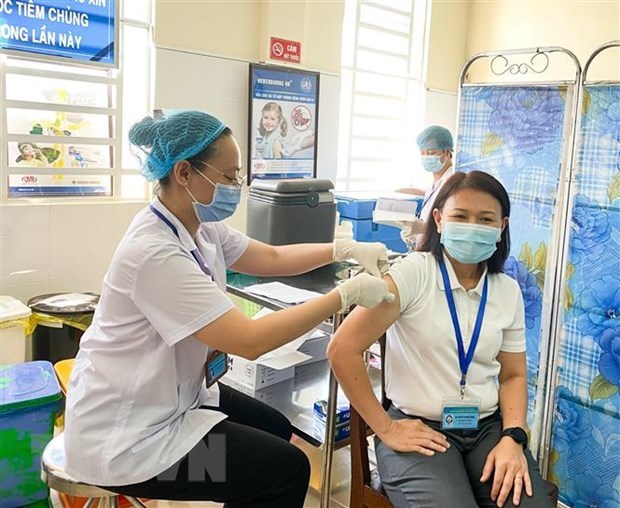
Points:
x=13, y=320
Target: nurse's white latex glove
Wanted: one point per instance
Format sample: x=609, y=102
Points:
x=364, y=290
x=410, y=229
x=371, y=256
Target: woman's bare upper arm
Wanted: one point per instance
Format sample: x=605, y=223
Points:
x=363, y=326
x=512, y=365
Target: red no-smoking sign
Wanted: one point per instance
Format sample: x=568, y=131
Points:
x=287, y=51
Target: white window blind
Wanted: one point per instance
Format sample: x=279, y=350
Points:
x=382, y=92
x=66, y=122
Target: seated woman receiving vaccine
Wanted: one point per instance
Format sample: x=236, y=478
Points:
x=455, y=366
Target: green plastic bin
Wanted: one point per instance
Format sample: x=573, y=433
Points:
x=30, y=397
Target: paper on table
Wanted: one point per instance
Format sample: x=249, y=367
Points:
x=282, y=292
x=282, y=360
x=284, y=356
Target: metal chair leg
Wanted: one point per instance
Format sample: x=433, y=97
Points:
x=135, y=502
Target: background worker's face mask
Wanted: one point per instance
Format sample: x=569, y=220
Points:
x=469, y=243
x=223, y=205
x=432, y=163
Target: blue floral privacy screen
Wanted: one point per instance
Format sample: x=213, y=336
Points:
x=585, y=455
x=517, y=134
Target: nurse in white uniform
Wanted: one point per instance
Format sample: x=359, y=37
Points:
x=145, y=414
x=436, y=145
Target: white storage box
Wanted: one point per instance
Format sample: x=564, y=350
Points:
x=270, y=368
x=254, y=375
x=13, y=322
x=315, y=346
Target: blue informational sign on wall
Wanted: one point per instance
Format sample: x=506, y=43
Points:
x=78, y=30
x=283, y=122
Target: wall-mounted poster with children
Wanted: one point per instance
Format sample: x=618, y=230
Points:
x=283, y=122
x=64, y=130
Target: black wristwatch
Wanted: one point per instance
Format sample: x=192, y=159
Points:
x=516, y=433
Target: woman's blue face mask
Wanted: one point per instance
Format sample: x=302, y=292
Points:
x=469, y=243
x=223, y=205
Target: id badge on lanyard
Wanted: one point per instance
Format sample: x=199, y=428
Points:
x=216, y=367
x=462, y=412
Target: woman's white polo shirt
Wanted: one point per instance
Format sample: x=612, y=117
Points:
x=422, y=363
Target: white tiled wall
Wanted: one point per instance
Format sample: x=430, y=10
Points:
x=46, y=248
x=50, y=248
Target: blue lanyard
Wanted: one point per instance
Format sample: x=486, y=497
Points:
x=196, y=253
x=464, y=359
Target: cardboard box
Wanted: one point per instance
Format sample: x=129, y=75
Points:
x=343, y=420
x=315, y=346
x=270, y=368
x=342, y=431
x=343, y=411
x=254, y=375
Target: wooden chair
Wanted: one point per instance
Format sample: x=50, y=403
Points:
x=366, y=488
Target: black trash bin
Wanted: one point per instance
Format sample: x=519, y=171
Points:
x=61, y=319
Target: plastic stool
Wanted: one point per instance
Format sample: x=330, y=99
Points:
x=54, y=475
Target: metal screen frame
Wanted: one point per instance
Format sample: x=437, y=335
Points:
x=553, y=286
x=551, y=380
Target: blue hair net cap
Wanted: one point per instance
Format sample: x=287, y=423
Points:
x=168, y=140
x=435, y=137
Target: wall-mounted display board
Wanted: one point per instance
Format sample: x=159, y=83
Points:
x=283, y=111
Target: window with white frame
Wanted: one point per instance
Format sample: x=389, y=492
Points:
x=65, y=124
x=382, y=92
